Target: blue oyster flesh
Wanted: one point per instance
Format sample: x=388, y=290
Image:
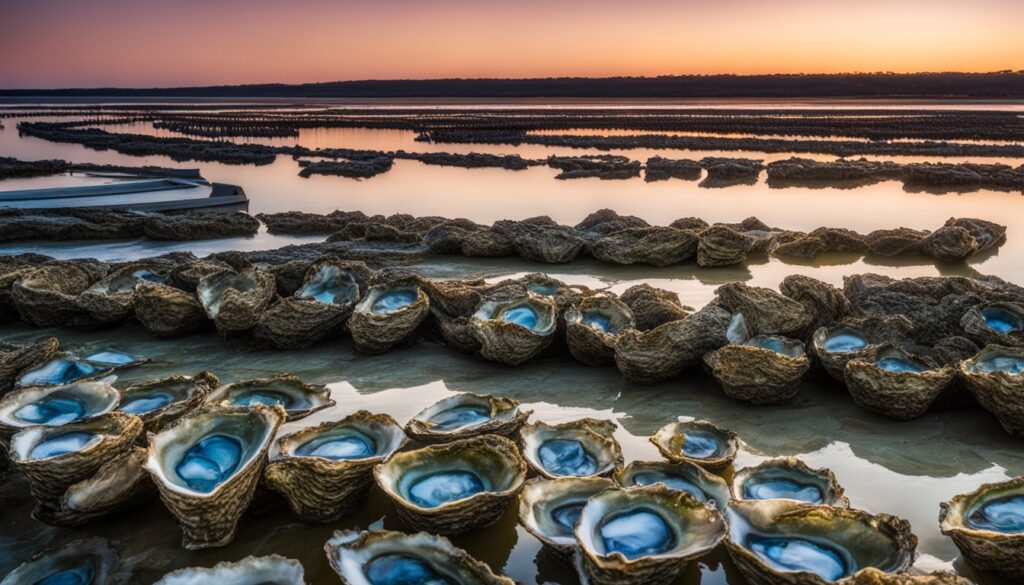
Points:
x=995, y=362
x=52, y=411
x=700, y=444
x=399, y=569
x=351, y=445
x=263, y=396
x=521, y=315
x=567, y=515
x=1000, y=320
x=61, y=444
x=597, y=321
x=636, y=533
x=897, y=365
x=440, y=488
x=111, y=357
x=468, y=415
x=566, y=457
x=845, y=341
x=60, y=370
x=392, y=300
x=773, y=488
x=209, y=462
x=798, y=555
x=146, y=403
x=1004, y=515
x=80, y=575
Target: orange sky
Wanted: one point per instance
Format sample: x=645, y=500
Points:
x=143, y=43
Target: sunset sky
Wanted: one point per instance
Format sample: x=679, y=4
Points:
x=145, y=43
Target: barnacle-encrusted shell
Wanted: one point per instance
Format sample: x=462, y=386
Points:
x=47, y=296
x=50, y=475
x=835, y=346
x=32, y=405
x=788, y=478
x=691, y=528
x=377, y=327
x=320, y=488
x=761, y=370
x=109, y=300
x=996, y=378
x=850, y=540
x=208, y=519
x=1001, y=323
x=83, y=561
x=872, y=576
x=298, y=398
x=593, y=327
x=352, y=554
x=495, y=463
x=269, y=570
x=710, y=447
x=467, y=415
x=508, y=339
x=166, y=311
x=159, y=402
x=18, y=358
x=682, y=476
x=901, y=395
x=236, y=299
x=548, y=509
x=119, y=484
x=663, y=352
x=589, y=441
x=323, y=302
x=983, y=545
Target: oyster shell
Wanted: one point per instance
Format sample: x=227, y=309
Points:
x=872, y=576
x=298, y=398
x=119, y=484
x=515, y=330
x=159, y=402
x=1001, y=323
x=386, y=316
x=593, y=327
x=788, y=478
x=987, y=525
x=996, y=378
x=697, y=442
x=89, y=561
x=166, y=311
x=580, y=448
x=683, y=476
x=55, y=458
x=206, y=466
x=644, y=535
x=109, y=300
x=236, y=299
x=453, y=487
x=47, y=296
x=466, y=415
x=269, y=570
x=325, y=471
x=63, y=369
x=55, y=405
x=784, y=541
x=663, y=352
x=889, y=381
x=383, y=557
x=836, y=345
x=18, y=358
x=549, y=508
x=764, y=369
x=321, y=305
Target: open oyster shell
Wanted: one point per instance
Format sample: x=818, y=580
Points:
x=387, y=316
x=236, y=299
x=829, y=544
x=1000, y=323
x=466, y=415
x=382, y=556
x=549, y=508
x=513, y=331
x=644, y=535
x=162, y=401
x=166, y=311
x=996, y=378
x=853, y=337
x=580, y=448
x=685, y=477
x=18, y=358
x=487, y=471
x=764, y=369
x=325, y=471
x=109, y=300
x=889, y=381
x=55, y=458
x=47, y=296
x=119, y=484
x=83, y=561
x=63, y=368
x=791, y=479
x=208, y=509
x=593, y=327
x=55, y=405
x=987, y=525
x=298, y=398
x=269, y=570
x=321, y=305
x=697, y=442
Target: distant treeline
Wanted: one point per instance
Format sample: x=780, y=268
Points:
x=1003, y=84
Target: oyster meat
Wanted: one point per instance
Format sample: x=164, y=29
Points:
x=987, y=526
x=387, y=315
x=683, y=476
x=788, y=478
x=467, y=415
x=298, y=398
x=889, y=381
x=549, y=509
x=996, y=378
x=515, y=330
x=593, y=327
x=697, y=442
x=581, y=448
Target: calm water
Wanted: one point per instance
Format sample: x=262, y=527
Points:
x=900, y=468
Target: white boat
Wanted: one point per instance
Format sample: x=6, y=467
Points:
x=184, y=191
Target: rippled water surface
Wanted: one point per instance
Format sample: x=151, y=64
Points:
x=902, y=468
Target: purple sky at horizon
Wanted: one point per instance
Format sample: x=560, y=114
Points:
x=146, y=43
